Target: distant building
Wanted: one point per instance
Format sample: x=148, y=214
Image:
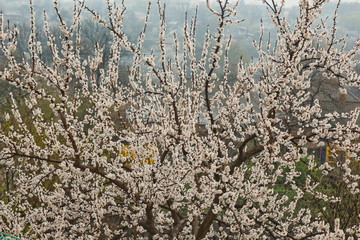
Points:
x=184, y=4
x=15, y=17
x=179, y=4
x=333, y=99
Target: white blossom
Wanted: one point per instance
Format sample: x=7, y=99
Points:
x=179, y=152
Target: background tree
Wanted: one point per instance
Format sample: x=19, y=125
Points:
x=192, y=156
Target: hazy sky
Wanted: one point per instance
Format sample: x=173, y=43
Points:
x=291, y=3
x=287, y=2
x=4, y=4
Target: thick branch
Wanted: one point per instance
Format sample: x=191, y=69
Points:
x=11, y=155
x=149, y=224
x=206, y=223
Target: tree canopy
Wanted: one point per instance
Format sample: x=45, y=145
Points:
x=177, y=148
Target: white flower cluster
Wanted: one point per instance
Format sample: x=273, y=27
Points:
x=179, y=152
